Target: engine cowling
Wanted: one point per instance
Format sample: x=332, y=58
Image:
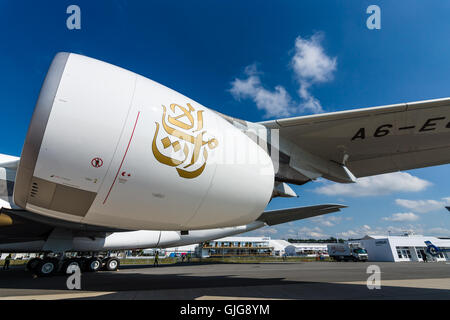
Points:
x=109, y=147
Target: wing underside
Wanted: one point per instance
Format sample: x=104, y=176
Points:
x=286, y=215
x=370, y=141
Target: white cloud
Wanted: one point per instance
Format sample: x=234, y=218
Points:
x=315, y=233
x=273, y=103
x=309, y=102
x=329, y=221
x=439, y=231
x=350, y=234
x=266, y=231
x=310, y=65
x=423, y=206
x=376, y=185
x=402, y=217
x=310, y=62
x=364, y=230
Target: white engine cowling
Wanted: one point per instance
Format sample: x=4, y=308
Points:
x=109, y=147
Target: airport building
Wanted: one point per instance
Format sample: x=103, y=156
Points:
x=237, y=246
x=227, y=247
x=408, y=247
x=18, y=256
x=404, y=248
x=192, y=249
x=259, y=246
x=306, y=249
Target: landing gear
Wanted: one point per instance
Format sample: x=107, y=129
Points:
x=70, y=263
x=47, y=267
x=93, y=264
x=50, y=265
x=32, y=264
x=111, y=264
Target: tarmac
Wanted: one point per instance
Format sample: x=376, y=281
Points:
x=238, y=281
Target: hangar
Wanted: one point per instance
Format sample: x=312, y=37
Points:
x=404, y=248
x=237, y=246
x=251, y=246
x=307, y=249
x=390, y=248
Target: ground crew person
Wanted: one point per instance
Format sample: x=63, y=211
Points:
x=156, y=259
x=7, y=262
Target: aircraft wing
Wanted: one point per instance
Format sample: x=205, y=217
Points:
x=286, y=215
x=8, y=166
x=368, y=141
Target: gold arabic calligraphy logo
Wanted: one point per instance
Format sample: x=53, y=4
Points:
x=179, y=129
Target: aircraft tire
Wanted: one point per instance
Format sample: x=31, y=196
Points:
x=32, y=264
x=47, y=267
x=94, y=264
x=69, y=263
x=112, y=264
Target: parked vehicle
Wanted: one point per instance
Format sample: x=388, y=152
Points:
x=347, y=252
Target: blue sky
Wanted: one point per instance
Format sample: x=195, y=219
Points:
x=200, y=48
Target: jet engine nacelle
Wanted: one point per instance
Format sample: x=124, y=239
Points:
x=109, y=147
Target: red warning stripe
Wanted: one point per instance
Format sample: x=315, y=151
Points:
x=123, y=159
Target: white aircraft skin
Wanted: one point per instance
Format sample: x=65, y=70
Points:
x=107, y=148
x=116, y=123
x=141, y=239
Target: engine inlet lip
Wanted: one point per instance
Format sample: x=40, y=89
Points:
x=36, y=130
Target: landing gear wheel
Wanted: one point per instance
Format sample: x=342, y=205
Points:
x=47, y=267
x=69, y=263
x=32, y=264
x=112, y=264
x=84, y=261
x=94, y=264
